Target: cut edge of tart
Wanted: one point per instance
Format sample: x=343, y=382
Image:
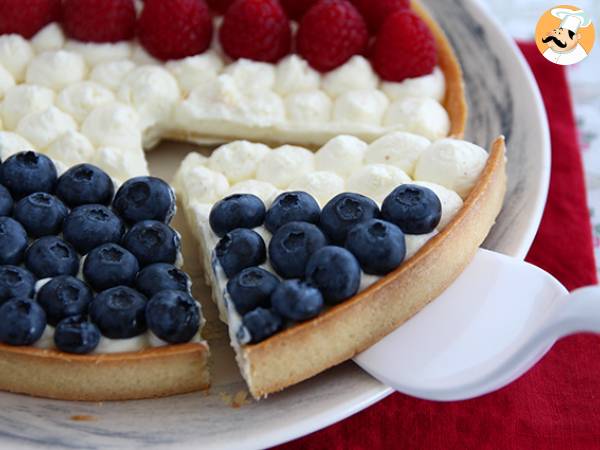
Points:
x=305, y=349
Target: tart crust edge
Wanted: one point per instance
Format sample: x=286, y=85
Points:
x=155, y=372
x=307, y=349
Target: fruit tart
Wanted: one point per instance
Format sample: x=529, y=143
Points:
x=314, y=262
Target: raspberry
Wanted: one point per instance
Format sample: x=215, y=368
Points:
x=295, y=9
x=94, y=21
x=256, y=29
x=404, y=48
x=27, y=17
x=376, y=11
x=219, y=6
x=330, y=33
x=174, y=29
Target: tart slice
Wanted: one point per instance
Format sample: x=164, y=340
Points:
x=314, y=257
x=93, y=303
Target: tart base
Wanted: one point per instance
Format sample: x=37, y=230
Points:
x=155, y=372
x=304, y=350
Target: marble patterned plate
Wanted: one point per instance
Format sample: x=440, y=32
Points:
x=503, y=98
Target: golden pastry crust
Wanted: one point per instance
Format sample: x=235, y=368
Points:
x=304, y=350
x=155, y=372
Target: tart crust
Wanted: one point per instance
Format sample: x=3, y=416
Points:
x=454, y=102
x=155, y=372
x=304, y=350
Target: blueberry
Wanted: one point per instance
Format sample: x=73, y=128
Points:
x=41, y=214
x=108, y=266
x=259, y=324
x=89, y=226
x=159, y=277
x=119, y=312
x=145, y=198
x=13, y=241
x=379, y=246
x=76, y=335
x=50, y=256
x=292, y=245
x=173, y=316
x=64, y=296
x=236, y=211
x=292, y=207
x=415, y=209
x=251, y=288
x=22, y=321
x=6, y=202
x=15, y=282
x=28, y=172
x=344, y=211
x=297, y=300
x=85, y=184
x=239, y=249
x=152, y=242
x=335, y=272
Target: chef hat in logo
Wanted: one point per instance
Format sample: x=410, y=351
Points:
x=572, y=20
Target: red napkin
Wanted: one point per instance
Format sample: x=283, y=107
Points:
x=556, y=404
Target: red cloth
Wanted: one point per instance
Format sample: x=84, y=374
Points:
x=557, y=404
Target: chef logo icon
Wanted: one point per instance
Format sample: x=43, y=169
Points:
x=565, y=35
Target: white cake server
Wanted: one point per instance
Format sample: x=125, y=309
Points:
x=487, y=329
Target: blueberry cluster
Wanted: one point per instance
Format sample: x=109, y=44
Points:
x=90, y=262
x=318, y=256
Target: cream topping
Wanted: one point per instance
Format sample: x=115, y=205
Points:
x=15, y=54
x=11, y=143
x=49, y=38
x=22, y=100
x=79, y=99
x=42, y=128
x=6, y=81
x=453, y=164
x=284, y=164
x=56, y=69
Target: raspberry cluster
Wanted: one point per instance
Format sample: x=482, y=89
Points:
x=329, y=32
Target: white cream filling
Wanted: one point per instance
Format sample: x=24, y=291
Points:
x=108, y=345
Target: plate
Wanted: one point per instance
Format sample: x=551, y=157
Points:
x=503, y=98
